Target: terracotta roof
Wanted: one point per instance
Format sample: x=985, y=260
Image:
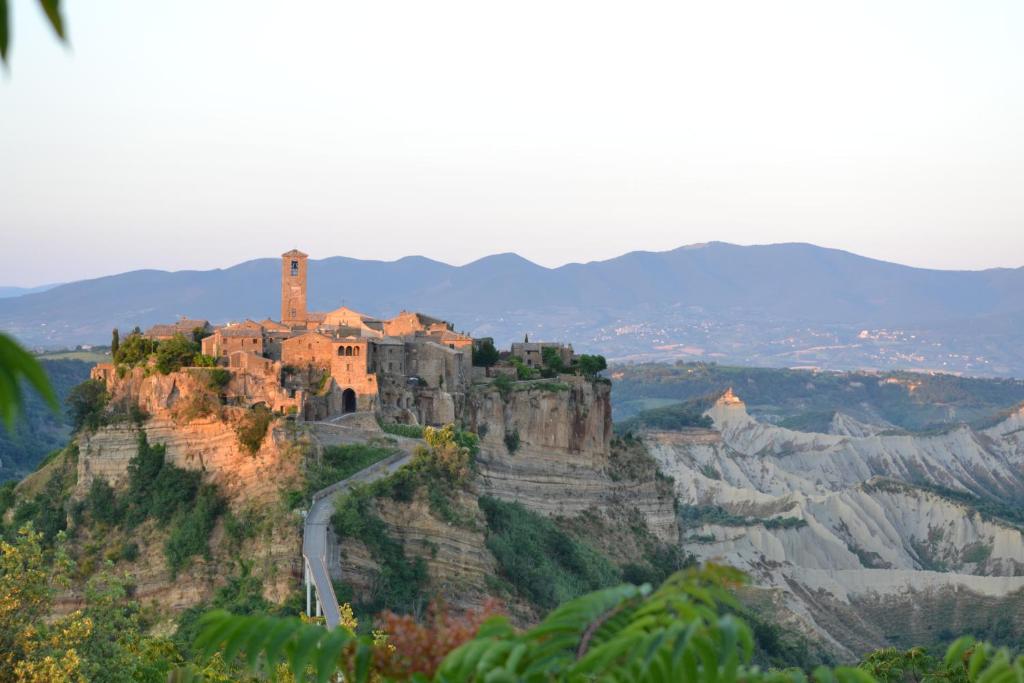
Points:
x=239, y=332
x=294, y=252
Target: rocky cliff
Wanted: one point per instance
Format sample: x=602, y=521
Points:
x=561, y=463
x=199, y=434
x=849, y=527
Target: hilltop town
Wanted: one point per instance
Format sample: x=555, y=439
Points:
x=410, y=369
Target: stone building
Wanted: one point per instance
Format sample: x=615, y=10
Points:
x=410, y=368
x=184, y=326
x=532, y=353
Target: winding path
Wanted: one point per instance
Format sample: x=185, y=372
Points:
x=314, y=534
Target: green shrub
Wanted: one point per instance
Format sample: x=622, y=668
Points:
x=512, y=440
x=698, y=515
x=408, y=431
x=341, y=462
x=709, y=471
x=552, y=359
x=523, y=372
x=191, y=527
x=201, y=360
x=173, y=496
x=545, y=564
x=400, y=582
x=503, y=383
x=589, y=366
x=134, y=351
x=253, y=428
x=102, y=504
x=484, y=353
x=86, y=403
x=175, y=353
x=130, y=552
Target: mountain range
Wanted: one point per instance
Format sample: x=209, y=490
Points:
x=779, y=305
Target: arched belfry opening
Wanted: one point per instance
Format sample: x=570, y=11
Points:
x=348, y=401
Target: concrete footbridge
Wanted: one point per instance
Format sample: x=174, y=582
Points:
x=318, y=518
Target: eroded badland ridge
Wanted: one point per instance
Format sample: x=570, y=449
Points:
x=854, y=539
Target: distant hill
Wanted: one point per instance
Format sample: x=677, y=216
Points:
x=665, y=395
x=783, y=304
x=39, y=430
x=7, y=292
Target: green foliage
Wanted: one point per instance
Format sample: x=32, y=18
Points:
x=115, y=342
x=219, y=378
x=399, y=586
x=39, y=430
x=687, y=415
x=552, y=359
x=990, y=509
x=977, y=552
x=7, y=496
x=102, y=504
x=252, y=429
x=266, y=641
x=191, y=528
x=544, y=563
x=135, y=350
x=698, y=515
x=17, y=366
x=51, y=8
x=523, y=371
x=46, y=510
x=512, y=440
x=86, y=403
x=243, y=594
x=201, y=360
x=175, y=353
x=677, y=633
x=590, y=366
x=485, y=354
x=408, y=431
x=709, y=471
x=171, y=495
x=341, y=462
x=503, y=383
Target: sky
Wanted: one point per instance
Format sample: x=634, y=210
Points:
x=198, y=134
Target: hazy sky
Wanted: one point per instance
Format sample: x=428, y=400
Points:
x=197, y=134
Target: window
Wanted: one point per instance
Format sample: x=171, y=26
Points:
x=295, y=268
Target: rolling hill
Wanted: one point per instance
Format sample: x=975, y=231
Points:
x=776, y=305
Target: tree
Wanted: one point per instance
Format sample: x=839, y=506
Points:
x=115, y=342
x=485, y=354
x=552, y=359
x=589, y=366
x=86, y=403
x=450, y=453
x=175, y=353
x=16, y=366
x=678, y=632
x=135, y=350
x=51, y=8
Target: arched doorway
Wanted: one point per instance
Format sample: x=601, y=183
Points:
x=348, y=401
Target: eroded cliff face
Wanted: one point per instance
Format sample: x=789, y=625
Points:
x=561, y=466
x=251, y=483
x=861, y=540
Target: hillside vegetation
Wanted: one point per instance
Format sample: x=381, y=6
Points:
x=38, y=430
x=807, y=400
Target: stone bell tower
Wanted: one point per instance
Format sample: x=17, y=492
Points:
x=293, y=288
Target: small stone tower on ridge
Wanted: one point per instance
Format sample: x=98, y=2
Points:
x=293, y=288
